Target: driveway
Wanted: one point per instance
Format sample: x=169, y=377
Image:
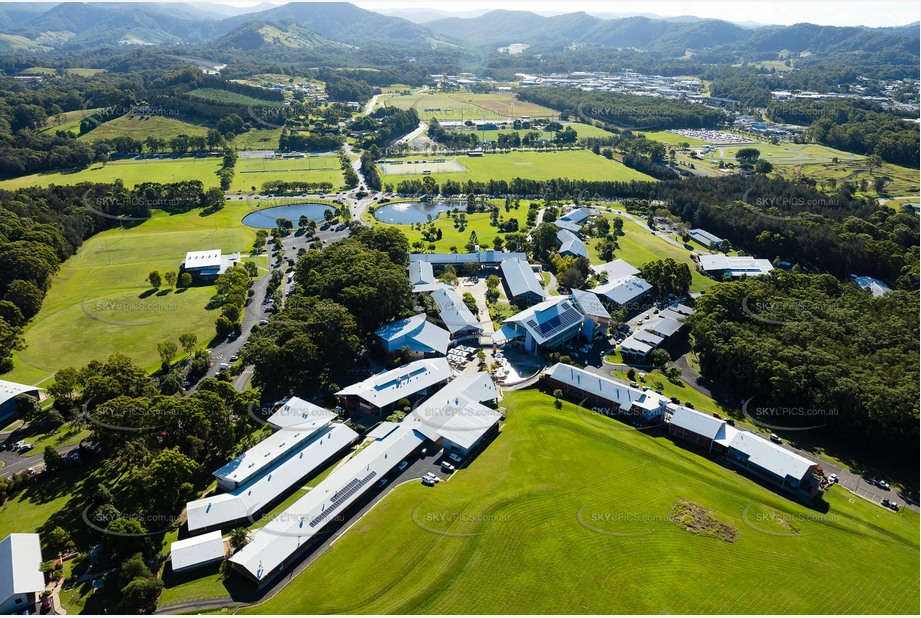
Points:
x=14, y=463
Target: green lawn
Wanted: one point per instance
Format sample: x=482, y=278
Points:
x=140, y=127
x=570, y=513
x=638, y=246
x=576, y=164
x=254, y=172
x=467, y=106
x=785, y=153
x=258, y=138
x=100, y=304
x=131, y=171
x=582, y=130
x=453, y=237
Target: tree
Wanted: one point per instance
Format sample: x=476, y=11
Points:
x=28, y=407
x=57, y=540
x=763, y=166
x=874, y=161
x=170, y=277
x=659, y=358
x=134, y=568
x=26, y=296
x=747, y=157
x=185, y=280
x=543, y=241
x=239, y=537
x=53, y=459
x=167, y=351
x=188, y=341
x=155, y=279
x=493, y=281
x=557, y=396
x=141, y=593
x=163, y=479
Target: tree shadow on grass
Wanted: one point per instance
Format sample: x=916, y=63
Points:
x=147, y=293
x=164, y=292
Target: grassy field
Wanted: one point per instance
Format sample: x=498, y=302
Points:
x=672, y=139
x=140, y=127
x=254, y=172
x=638, y=246
x=258, y=138
x=452, y=237
x=467, y=106
x=785, y=153
x=904, y=181
x=571, y=512
x=249, y=172
x=216, y=95
x=70, y=121
x=581, y=164
x=581, y=129
x=131, y=171
x=100, y=304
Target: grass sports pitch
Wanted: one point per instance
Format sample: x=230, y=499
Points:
x=437, y=165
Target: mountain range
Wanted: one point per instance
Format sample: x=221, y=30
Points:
x=33, y=25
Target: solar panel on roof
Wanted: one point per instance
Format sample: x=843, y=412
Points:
x=341, y=496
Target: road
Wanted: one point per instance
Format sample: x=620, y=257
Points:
x=14, y=462
x=369, y=106
x=413, y=134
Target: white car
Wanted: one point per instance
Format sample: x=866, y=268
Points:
x=833, y=478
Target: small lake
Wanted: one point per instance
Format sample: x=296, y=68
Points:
x=405, y=213
x=266, y=217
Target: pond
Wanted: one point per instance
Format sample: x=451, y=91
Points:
x=266, y=217
x=404, y=213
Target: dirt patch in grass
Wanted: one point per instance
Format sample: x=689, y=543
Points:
x=698, y=520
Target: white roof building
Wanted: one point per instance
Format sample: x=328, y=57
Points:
x=608, y=389
x=769, y=456
x=570, y=244
x=284, y=535
x=246, y=501
x=521, y=279
x=623, y=291
x=702, y=424
x=718, y=265
x=20, y=577
x=268, y=452
x=197, y=551
x=209, y=263
x=590, y=305
x=389, y=387
x=548, y=323
x=876, y=287
x=455, y=314
x=616, y=270
x=705, y=238
x=664, y=327
x=8, y=393
x=415, y=333
x=421, y=272
x=456, y=412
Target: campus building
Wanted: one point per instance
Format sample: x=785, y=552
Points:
x=457, y=318
x=573, y=220
x=570, y=244
x=196, y=552
x=705, y=238
x=21, y=580
x=311, y=420
x=613, y=397
x=483, y=258
x=623, y=289
x=522, y=287
x=422, y=338
x=590, y=306
x=547, y=325
x=719, y=266
x=258, y=493
x=379, y=393
x=422, y=276
x=8, y=393
x=208, y=265
x=772, y=463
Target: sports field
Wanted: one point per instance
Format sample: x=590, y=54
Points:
x=568, y=512
x=249, y=172
x=100, y=303
x=581, y=129
x=467, y=106
x=672, y=139
x=575, y=164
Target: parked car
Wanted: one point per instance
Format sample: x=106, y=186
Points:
x=428, y=481
x=634, y=385
x=883, y=485
x=381, y=483
x=234, y=358
x=833, y=478
x=776, y=439
x=403, y=465
x=447, y=467
x=731, y=421
x=884, y=502
x=455, y=457
x=263, y=322
x=675, y=400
